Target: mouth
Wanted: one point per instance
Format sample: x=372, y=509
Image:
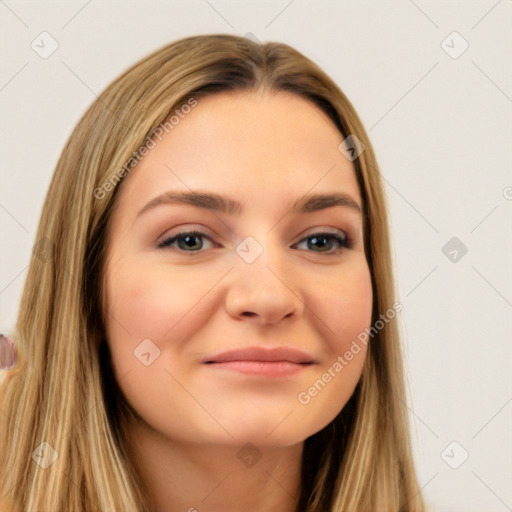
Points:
x=275, y=362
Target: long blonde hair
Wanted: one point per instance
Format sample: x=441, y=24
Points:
x=63, y=392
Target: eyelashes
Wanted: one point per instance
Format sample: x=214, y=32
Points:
x=184, y=235
x=342, y=241
x=186, y=240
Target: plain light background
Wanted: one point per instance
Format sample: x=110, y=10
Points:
x=440, y=121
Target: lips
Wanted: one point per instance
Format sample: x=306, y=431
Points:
x=261, y=354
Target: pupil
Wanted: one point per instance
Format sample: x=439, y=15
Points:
x=315, y=240
x=187, y=240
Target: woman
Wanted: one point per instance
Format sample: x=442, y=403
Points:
x=247, y=371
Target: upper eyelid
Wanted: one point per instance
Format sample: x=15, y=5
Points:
x=200, y=231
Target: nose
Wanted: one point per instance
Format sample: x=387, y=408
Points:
x=263, y=292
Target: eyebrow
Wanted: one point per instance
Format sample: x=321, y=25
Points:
x=210, y=201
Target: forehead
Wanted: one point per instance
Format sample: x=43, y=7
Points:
x=258, y=147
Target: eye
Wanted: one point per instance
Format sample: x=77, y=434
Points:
x=319, y=240
x=188, y=241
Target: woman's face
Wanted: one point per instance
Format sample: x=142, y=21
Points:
x=256, y=277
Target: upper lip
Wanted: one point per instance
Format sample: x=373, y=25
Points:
x=292, y=355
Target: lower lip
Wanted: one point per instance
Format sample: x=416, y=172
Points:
x=261, y=368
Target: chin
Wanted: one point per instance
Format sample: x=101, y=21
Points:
x=268, y=432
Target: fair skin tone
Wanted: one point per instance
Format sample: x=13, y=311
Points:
x=198, y=296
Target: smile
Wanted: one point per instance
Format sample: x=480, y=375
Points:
x=267, y=362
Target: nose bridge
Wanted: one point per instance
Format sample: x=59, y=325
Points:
x=262, y=251
x=261, y=286
x=261, y=254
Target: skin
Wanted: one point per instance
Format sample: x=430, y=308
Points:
x=266, y=150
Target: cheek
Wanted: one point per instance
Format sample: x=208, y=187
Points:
x=347, y=308
x=346, y=311
x=153, y=302
x=147, y=302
